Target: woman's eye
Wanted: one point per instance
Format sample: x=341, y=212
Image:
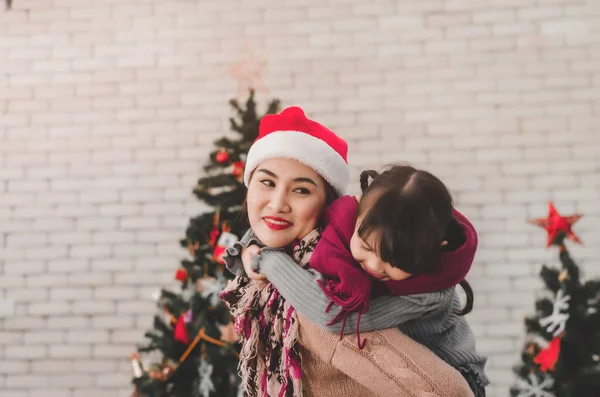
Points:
x=268, y=182
x=302, y=190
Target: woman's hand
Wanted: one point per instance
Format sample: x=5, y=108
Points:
x=248, y=257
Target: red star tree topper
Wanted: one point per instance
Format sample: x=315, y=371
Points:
x=555, y=224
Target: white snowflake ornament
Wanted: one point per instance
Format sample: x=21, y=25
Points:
x=206, y=385
x=556, y=322
x=535, y=388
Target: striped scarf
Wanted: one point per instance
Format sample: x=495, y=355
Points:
x=270, y=361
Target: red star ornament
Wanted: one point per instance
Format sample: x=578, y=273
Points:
x=556, y=224
x=548, y=357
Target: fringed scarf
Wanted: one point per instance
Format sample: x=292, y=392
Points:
x=270, y=361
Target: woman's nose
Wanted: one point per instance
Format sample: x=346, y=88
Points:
x=279, y=201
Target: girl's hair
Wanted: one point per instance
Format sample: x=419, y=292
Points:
x=330, y=196
x=406, y=215
x=470, y=298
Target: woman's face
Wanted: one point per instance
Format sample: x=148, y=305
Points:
x=285, y=200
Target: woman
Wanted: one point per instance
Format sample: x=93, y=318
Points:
x=294, y=169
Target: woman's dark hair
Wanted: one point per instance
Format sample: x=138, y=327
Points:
x=406, y=214
x=330, y=196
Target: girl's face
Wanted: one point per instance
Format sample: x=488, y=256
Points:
x=365, y=253
x=285, y=200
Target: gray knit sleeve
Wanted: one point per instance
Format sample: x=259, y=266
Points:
x=233, y=254
x=299, y=287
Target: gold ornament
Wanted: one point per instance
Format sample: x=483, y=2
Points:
x=563, y=275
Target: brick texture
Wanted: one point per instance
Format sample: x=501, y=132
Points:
x=108, y=109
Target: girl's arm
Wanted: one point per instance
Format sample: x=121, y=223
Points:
x=299, y=287
x=233, y=254
x=391, y=363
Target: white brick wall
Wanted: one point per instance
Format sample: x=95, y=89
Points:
x=108, y=109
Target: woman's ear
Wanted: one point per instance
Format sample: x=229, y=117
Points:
x=444, y=243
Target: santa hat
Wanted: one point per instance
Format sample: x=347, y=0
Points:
x=290, y=134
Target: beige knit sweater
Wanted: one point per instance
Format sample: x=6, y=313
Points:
x=391, y=364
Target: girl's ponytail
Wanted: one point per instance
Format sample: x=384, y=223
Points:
x=364, y=178
x=455, y=237
x=470, y=298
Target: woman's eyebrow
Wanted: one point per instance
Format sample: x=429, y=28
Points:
x=308, y=180
x=299, y=179
x=266, y=171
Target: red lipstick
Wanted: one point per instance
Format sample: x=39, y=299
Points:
x=275, y=223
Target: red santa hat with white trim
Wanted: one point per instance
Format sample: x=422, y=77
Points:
x=290, y=134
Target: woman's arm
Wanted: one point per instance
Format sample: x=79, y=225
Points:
x=391, y=363
x=299, y=287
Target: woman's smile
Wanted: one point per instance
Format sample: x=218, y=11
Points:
x=276, y=223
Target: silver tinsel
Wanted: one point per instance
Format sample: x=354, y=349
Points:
x=212, y=287
x=187, y=293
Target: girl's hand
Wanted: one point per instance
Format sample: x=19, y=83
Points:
x=248, y=254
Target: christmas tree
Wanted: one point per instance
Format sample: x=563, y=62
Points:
x=561, y=357
x=194, y=333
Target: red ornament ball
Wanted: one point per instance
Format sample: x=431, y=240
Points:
x=222, y=157
x=181, y=274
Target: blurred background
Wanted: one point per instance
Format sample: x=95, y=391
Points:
x=109, y=110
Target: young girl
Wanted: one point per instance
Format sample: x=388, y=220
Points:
x=402, y=237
